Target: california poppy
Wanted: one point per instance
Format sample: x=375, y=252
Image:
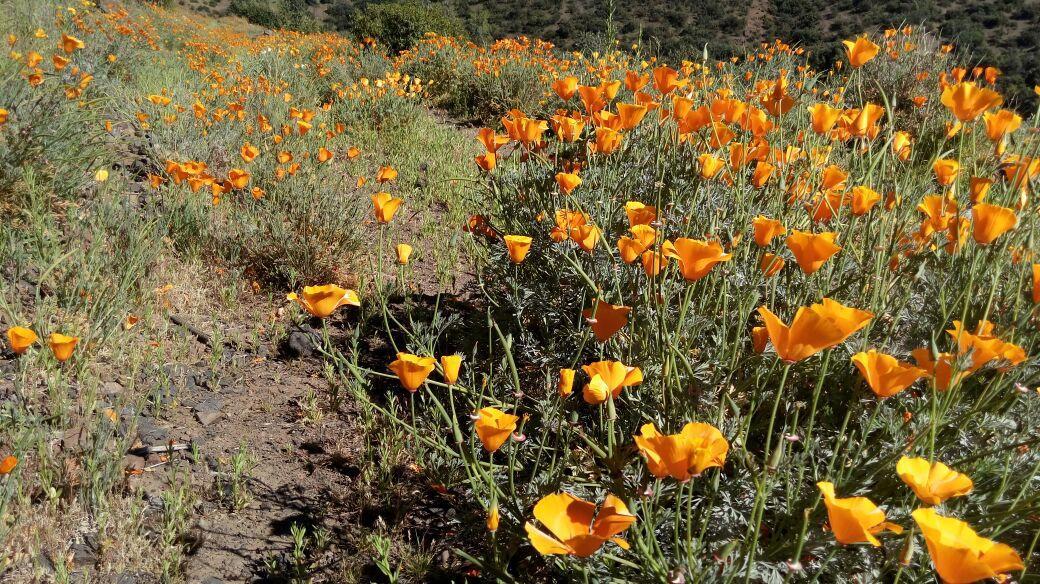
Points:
x=813, y=328
x=710, y=165
x=978, y=188
x=684, y=455
x=518, y=247
x=565, y=87
x=854, y=519
x=492, y=519
x=960, y=555
x=386, y=174
x=609, y=377
x=322, y=301
x=404, y=251
x=823, y=117
x=575, y=527
x=639, y=214
x=984, y=347
x=606, y=319
x=991, y=221
x=697, y=257
x=450, y=365
x=8, y=464
x=566, y=384
x=863, y=199
x=946, y=171
x=20, y=339
x=385, y=206
x=932, y=482
x=412, y=370
x=630, y=114
x=494, y=427
x=811, y=250
x=860, y=52
x=643, y=236
x=885, y=374
x=771, y=264
x=1001, y=123
x=766, y=229
x=666, y=79
x=62, y=345
x=567, y=181
x=967, y=101
x=70, y=44
x=940, y=368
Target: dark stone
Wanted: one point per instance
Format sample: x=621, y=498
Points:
x=150, y=433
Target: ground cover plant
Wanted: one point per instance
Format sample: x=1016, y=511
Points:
x=287, y=306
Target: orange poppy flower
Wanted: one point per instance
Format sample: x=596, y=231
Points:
x=450, y=364
x=608, y=378
x=639, y=214
x=322, y=301
x=666, y=79
x=491, y=141
x=487, y=161
x=932, y=482
x=8, y=464
x=946, y=171
x=960, y=555
x=682, y=456
x=978, y=189
x=771, y=264
x=494, y=427
x=567, y=181
x=813, y=329
x=606, y=319
x=991, y=221
x=249, y=152
x=385, y=206
x=697, y=257
x=759, y=338
x=967, y=101
x=1001, y=124
x=823, y=118
x=412, y=370
x=565, y=87
x=70, y=44
x=854, y=519
x=884, y=374
x=518, y=246
x=811, y=250
x=238, y=178
x=863, y=200
x=643, y=236
x=940, y=369
x=62, y=346
x=404, y=251
x=763, y=170
x=575, y=527
x=766, y=229
x=860, y=52
x=586, y=236
x=1036, y=283
x=386, y=174
x=984, y=347
x=607, y=140
x=710, y=165
x=901, y=145
x=630, y=114
x=325, y=155
x=20, y=339
x=566, y=384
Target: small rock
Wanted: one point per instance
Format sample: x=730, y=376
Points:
x=207, y=418
x=84, y=553
x=209, y=403
x=150, y=433
x=111, y=388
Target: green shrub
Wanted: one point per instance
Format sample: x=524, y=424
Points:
x=279, y=14
x=399, y=25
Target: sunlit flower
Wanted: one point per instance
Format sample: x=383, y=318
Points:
x=412, y=370
x=697, y=257
x=20, y=339
x=494, y=427
x=946, y=171
x=62, y=345
x=606, y=319
x=860, y=52
x=404, y=251
x=885, y=374
x=385, y=206
x=766, y=229
x=386, y=174
x=608, y=378
x=811, y=250
x=684, y=455
x=991, y=221
x=967, y=101
x=518, y=247
x=450, y=364
x=567, y=181
x=813, y=328
x=854, y=519
x=932, y=482
x=639, y=214
x=322, y=301
x=566, y=384
x=575, y=529
x=960, y=555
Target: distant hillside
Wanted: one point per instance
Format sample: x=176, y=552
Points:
x=1004, y=33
